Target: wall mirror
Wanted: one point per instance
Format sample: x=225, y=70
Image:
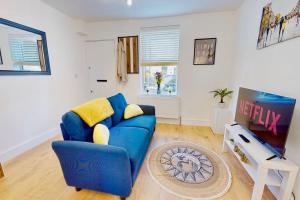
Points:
x=23, y=50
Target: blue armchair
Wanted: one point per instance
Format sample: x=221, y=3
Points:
x=96, y=167
x=111, y=168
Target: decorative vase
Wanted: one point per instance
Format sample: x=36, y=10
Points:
x=158, y=88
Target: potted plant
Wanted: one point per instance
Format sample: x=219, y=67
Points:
x=158, y=78
x=222, y=93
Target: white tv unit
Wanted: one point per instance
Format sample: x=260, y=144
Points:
x=262, y=171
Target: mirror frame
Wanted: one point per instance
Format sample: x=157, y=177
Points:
x=45, y=47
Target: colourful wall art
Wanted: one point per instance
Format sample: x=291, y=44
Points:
x=280, y=22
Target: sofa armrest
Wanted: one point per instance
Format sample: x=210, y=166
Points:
x=148, y=110
x=97, y=167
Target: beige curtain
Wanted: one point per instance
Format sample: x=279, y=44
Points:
x=121, y=62
x=1, y=171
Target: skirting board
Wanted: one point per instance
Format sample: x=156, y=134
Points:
x=192, y=122
x=29, y=144
x=195, y=122
x=167, y=121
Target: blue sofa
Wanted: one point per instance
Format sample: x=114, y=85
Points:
x=111, y=168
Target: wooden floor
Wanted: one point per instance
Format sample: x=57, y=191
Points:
x=37, y=174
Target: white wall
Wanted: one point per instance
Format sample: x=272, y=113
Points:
x=194, y=82
x=274, y=69
x=31, y=106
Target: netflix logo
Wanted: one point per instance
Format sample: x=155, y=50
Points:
x=265, y=117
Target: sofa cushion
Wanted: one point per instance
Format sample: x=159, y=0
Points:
x=132, y=110
x=77, y=129
x=100, y=134
x=118, y=102
x=134, y=140
x=107, y=122
x=144, y=121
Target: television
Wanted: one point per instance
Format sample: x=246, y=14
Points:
x=267, y=116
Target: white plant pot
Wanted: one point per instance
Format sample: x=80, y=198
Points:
x=222, y=105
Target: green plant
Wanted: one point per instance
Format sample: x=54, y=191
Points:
x=222, y=93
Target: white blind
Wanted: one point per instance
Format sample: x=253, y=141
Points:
x=159, y=45
x=24, y=52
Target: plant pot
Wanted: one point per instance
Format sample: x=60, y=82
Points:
x=222, y=105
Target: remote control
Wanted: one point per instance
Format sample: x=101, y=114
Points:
x=244, y=138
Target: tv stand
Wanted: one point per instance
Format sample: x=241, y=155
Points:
x=262, y=171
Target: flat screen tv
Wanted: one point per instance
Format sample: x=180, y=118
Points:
x=267, y=116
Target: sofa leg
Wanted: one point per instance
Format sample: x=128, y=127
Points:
x=77, y=189
x=123, y=198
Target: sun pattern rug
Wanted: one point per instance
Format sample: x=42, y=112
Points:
x=189, y=171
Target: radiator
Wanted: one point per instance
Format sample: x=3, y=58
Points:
x=165, y=106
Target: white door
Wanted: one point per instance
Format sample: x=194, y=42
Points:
x=101, y=62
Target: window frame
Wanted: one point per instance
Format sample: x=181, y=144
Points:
x=142, y=68
x=15, y=45
x=144, y=93
x=45, y=48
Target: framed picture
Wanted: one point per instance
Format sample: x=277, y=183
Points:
x=1, y=60
x=205, y=51
x=280, y=21
x=132, y=53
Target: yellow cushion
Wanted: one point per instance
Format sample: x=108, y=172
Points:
x=101, y=134
x=132, y=110
x=94, y=111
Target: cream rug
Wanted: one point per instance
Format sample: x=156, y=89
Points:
x=189, y=171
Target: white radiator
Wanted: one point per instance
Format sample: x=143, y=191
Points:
x=166, y=106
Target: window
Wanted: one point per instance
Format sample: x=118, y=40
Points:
x=24, y=53
x=159, y=53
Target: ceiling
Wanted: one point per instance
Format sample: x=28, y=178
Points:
x=98, y=10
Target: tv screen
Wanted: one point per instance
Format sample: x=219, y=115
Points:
x=267, y=116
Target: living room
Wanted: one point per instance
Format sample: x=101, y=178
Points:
x=83, y=59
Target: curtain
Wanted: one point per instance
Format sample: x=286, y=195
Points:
x=121, y=63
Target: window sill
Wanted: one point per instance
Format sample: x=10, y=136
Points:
x=174, y=96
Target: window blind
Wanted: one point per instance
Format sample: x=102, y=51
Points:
x=24, y=52
x=160, y=46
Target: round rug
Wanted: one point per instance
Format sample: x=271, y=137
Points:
x=189, y=171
